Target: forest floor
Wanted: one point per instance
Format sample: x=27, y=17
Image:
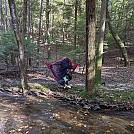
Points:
x=46, y=110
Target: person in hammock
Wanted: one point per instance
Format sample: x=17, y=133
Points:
x=62, y=71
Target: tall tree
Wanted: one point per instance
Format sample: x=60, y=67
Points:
x=90, y=46
x=24, y=17
x=75, y=25
x=100, y=43
x=29, y=28
x=39, y=31
x=63, y=21
x=1, y=15
x=118, y=40
x=6, y=12
x=15, y=26
x=29, y=18
x=47, y=29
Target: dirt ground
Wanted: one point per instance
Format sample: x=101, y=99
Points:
x=44, y=114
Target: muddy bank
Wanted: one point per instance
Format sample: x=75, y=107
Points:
x=30, y=114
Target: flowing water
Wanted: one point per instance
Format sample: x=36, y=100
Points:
x=46, y=115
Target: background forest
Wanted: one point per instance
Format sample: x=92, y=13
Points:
x=52, y=27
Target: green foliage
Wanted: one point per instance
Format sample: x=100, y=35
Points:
x=8, y=44
x=35, y=86
x=8, y=47
x=84, y=94
x=122, y=14
x=19, y=7
x=109, y=96
x=30, y=48
x=59, y=1
x=62, y=18
x=116, y=95
x=122, y=18
x=68, y=12
x=77, y=54
x=110, y=40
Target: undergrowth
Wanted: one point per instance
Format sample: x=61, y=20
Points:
x=105, y=95
x=116, y=95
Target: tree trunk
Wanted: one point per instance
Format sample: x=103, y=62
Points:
x=40, y=20
x=63, y=28
x=1, y=16
x=29, y=31
x=90, y=46
x=52, y=22
x=118, y=40
x=75, y=27
x=29, y=59
x=24, y=18
x=39, y=32
x=6, y=25
x=0, y=13
x=29, y=19
x=100, y=43
x=23, y=77
x=47, y=30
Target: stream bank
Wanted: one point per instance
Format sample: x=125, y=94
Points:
x=45, y=114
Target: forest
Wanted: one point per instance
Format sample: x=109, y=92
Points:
x=66, y=66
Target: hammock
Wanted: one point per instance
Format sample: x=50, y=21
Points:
x=62, y=70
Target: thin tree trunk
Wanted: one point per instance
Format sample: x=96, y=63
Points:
x=90, y=46
x=100, y=43
x=1, y=15
x=47, y=30
x=96, y=11
x=75, y=27
x=63, y=29
x=25, y=23
x=6, y=25
x=32, y=28
x=24, y=18
x=29, y=19
x=40, y=20
x=29, y=30
x=39, y=32
x=118, y=41
x=23, y=77
x=52, y=22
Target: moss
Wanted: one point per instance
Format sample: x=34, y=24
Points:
x=116, y=96
x=37, y=86
x=104, y=95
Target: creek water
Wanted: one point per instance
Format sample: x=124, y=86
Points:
x=46, y=115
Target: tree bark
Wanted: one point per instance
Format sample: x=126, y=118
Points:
x=63, y=20
x=90, y=46
x=39, y=32
x=15, y=26
x=29, y=19
x=47, y=30
x=1, y=16
x=75, y=27
x=24, y=18
x=118, y=40
x=29, y=30
x=6, y=25
x=99, y=55
x=0, y=13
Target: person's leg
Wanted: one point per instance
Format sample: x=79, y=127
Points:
x=61, y=83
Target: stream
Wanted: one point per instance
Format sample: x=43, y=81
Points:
x=28, y=114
